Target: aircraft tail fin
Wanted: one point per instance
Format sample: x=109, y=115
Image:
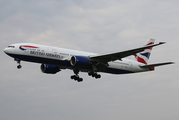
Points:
x=144, y=56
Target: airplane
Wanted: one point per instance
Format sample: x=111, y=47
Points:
x=54, y=59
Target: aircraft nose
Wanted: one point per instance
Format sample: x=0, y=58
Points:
x=10, y=49
x=6, y=50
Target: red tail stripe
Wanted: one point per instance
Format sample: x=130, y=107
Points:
x=150, y=44
x=141, y=60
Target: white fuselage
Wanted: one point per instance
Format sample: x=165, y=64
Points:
x=61, y=58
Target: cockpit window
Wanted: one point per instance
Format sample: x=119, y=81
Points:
x=11, y=46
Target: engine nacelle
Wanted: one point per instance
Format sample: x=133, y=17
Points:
x=79, y=61
x=49, y=69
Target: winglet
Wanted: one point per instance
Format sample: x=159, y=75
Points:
x=162, y=42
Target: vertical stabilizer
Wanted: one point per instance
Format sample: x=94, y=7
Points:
x=144, y=56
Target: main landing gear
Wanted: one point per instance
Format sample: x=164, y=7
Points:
x=76, y=76
x=18, y=62
x=94, y=74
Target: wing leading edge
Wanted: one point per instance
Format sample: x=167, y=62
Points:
x=119, y=55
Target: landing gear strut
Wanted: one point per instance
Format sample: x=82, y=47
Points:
x=76, y=76
x=18, y=62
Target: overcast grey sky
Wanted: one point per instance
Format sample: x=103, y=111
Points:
x=100, y=26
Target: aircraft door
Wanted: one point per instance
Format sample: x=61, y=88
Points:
x=54, y=52
x=130, y=65
x=26, y=51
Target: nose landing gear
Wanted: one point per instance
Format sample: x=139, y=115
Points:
x=18, y=61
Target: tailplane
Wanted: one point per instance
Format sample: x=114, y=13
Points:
x=144, y=56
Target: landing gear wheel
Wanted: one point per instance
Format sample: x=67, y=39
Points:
x=94, y=74
x=72, y=77
x=98, y=76
x=19, y=67
x=80, y=80
x=90, y=73
x=18, y=61
x=76, y=78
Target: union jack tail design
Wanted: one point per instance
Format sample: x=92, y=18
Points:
x=143, y=57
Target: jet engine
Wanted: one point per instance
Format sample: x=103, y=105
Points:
x=79, y=61
x=49, y=69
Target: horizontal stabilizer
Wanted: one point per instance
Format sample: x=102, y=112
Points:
x=155, y=65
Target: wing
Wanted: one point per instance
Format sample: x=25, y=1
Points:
x=119, y=55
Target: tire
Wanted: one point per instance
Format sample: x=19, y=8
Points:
x=19, y=67
x=98, y=76
x=72, y=77
x=80, y=79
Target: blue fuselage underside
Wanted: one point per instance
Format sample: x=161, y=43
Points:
x=66, y=64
